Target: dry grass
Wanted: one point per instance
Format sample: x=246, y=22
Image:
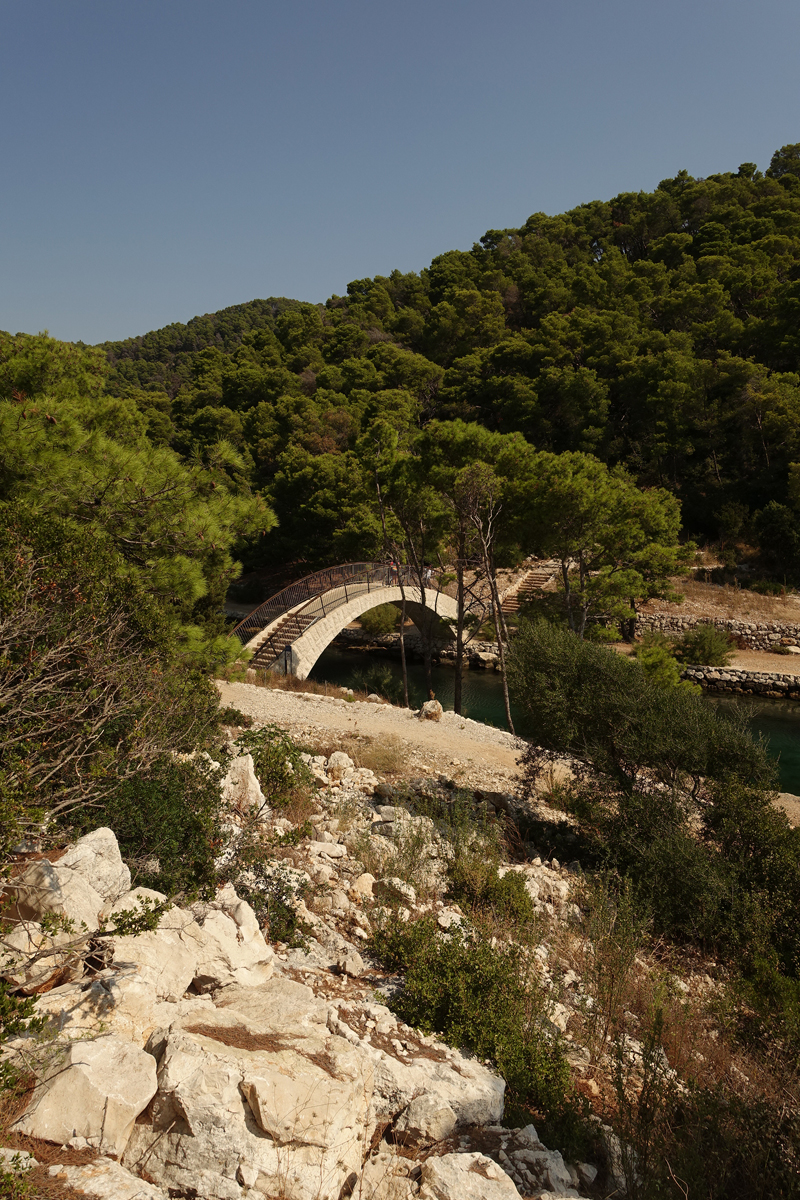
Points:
x=385, y=756
x=290, y=683
x=728, y=602
x=240, y=1038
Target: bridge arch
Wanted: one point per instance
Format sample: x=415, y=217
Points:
x=302, y=646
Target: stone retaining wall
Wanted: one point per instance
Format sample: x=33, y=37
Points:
x=754, y=683
x=755, y=635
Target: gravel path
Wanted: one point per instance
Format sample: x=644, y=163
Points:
x=475, y=754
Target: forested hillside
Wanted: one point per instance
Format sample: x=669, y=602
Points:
x=657, y=330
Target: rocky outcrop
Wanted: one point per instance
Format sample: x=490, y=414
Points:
x=94, y=1090
x=212, y=1064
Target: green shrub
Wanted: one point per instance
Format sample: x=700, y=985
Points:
x=379, y=621
x=476, y=883
x=277, y=763
x=616, y=723
x=168, y=824
x=380, y=679
x=766, y=587
x=482, y=998
x=705, y=646
x=234, y=716
x=271, y=892
x=655, y=654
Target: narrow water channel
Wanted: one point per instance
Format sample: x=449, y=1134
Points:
x=777, y=720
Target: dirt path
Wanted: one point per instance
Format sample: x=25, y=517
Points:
x=465, y=750
x=475, y=755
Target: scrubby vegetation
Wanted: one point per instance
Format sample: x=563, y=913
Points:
x=576, y=387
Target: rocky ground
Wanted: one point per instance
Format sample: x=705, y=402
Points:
x=475, y=755
x=203, y=1060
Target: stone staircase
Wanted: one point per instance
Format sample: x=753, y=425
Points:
x=289, y=629
x=533, y=581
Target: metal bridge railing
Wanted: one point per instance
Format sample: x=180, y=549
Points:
x=344, y=582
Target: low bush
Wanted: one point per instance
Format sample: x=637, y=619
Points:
x=277, y=762
x=705, y=646
x=482, y=998
x=379, y=679
x=476, y=883
x=168, y=824
x=655, y=654
x=272, y=893
x=766, y=587
x=379, y=621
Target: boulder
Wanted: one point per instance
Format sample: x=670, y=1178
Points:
x=233, y=949
x=105, y=1179
x=167, y=957
x=395, y=891
x=97, y=859
x=122, y=1002
x=17, y=1161
x=465, y=1177
x=96, y=1090
x=79, y=886
x=426, y=1119
x=364, y=884
x=431, y=711
x=351, y=964
x=258, y=1093
x=338, y=763
x=227, y=947
x=384, y=1177
x=240, y=787
x=473, y=1092
x=328, y=849
x=45, y=889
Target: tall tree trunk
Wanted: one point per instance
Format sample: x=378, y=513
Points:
x=459, y=634
x=499, y=622
x=499, y=625
x=403, y=643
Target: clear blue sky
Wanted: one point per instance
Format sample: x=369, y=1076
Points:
x=164, y=158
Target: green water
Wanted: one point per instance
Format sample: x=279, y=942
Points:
x=482, y=699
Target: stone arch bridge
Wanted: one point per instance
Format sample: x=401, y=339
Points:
x=289, y=631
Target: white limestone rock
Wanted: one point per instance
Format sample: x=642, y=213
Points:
x=97, y=859
x=122, y=1002
x=105, y=1179
x=240, y=787
x=426, y=1119
x=18, y=1162
x=472, y=1091
x=338, y=763
x=465, y=1177
x=261, y=1062
x=431, y=711
x=96, y=1090
x=44, y=888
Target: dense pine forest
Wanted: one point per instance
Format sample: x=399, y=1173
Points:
x=656, y=330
